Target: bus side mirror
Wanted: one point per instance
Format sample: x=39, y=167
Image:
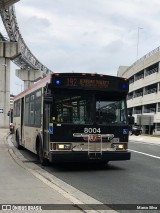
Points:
x=131, y=120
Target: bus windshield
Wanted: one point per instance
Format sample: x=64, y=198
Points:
x=108, y=112
x=88, y=108
x=73, y=108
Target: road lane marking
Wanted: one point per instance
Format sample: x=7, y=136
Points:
x=146, y=143
x=72, y=194
x=153, y=156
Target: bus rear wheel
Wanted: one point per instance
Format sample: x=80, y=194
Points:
x=105, y=163
x=17, y=141
x=43, y=161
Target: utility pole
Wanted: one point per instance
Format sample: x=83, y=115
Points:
x=139, y=28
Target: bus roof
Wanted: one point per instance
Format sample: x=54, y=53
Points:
x=34, y=86
x=50, y=78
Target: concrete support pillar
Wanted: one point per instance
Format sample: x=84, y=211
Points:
x=28, y=76
x=4, y=92
x=7, y=50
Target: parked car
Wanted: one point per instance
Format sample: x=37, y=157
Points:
x=136, y=130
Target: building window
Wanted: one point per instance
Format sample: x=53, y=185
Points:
x=138, y=110
x=138, y=93
x=152, y=69
x=158, y=126
x=158, y=107
x=150, y=108
x=139, y=75
x=130, y=96
x=151, y=89
x=131, y=80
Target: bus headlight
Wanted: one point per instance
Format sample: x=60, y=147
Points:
x=64, y=146
x=60, y=146
x=120, y=146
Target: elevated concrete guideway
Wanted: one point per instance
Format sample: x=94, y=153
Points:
x=6, y=3
x=26, y=60
x=16, y=50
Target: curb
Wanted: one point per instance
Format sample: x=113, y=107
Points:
x=72, y=194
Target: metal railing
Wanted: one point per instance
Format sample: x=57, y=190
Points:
x=138, y=94
x=151, y=110
x=149, y=91
x=138, y=77
x=149, y=72
x=144, y=57
x=137, y=112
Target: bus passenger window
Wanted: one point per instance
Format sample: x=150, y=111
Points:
x=74, y=109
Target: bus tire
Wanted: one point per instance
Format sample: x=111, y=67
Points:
x=17, y=141
x=43, y=161
x=137, y=134
x=105, y=163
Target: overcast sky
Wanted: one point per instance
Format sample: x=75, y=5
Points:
x=87, y=35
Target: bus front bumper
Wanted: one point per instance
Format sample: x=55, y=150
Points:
x=79, y=156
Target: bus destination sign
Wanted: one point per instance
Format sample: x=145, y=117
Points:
x=87, y=83
x=105, y=83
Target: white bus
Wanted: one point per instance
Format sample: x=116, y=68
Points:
x=74, y=117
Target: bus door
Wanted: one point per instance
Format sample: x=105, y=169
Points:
x=22, y=121
x=46, y=127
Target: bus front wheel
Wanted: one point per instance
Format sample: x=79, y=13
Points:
x=43, y=161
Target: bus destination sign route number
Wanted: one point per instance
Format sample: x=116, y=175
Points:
x=87, y=83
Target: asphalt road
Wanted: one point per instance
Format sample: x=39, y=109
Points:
x=128, y=182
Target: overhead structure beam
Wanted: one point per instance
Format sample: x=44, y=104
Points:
x=16, y=50
x=2, y=38
x=4, y=4
x=25, y=60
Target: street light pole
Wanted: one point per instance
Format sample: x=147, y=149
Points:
x=139, y=28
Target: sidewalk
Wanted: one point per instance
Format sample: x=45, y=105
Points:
x=145, y=138
x=27, y=183
x=20, y=186
x=3, y=135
